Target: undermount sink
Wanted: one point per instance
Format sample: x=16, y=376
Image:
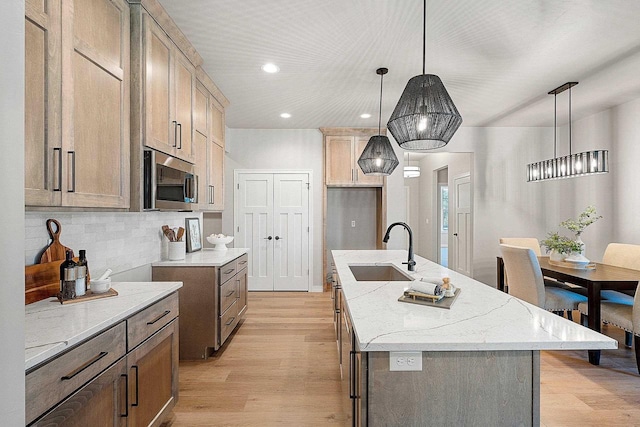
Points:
x=379, y=273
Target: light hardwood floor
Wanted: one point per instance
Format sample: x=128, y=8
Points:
x=280, y=368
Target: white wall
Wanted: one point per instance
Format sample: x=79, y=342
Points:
x=278, y=149
x=12, y=402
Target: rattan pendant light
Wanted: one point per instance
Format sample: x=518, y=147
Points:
x=425, y=117
x=378, y=157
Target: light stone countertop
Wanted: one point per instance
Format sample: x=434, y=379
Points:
x=482, y=318
x=51, y=328
x=204, y=258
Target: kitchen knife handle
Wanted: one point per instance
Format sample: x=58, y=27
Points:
x=59, y=166
x=72, y=168
x=175, y=133
x=85, y=366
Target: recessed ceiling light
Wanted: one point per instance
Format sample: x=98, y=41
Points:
x=270, y=68
x=365, y=115
x=285, y=115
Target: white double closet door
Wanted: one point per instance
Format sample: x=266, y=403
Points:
x=272, y=211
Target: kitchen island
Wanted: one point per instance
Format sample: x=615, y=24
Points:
x=480, y=361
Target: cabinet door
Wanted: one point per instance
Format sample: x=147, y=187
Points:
x=200, y=168
x=153, y=377
x=184, y=81
x=339, y=160
x=361, y=178
x=215, y=191
x=242, y=291
x=159, y=129
x=200, y=113
x=95, y=122
x=217, y=122
x=101, y=403
x=42, y=104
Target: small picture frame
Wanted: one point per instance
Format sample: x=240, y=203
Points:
x=194, y=237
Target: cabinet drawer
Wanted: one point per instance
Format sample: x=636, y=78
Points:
x=228, y=294
x=242, y=262
x=228, y=321
x=51, y=383
x=144, y=324
x=227, y=271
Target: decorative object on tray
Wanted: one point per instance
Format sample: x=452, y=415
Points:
x=219, y=241
x=562, y=247
x=576, y=264
x=194, y=237
x=434, y=291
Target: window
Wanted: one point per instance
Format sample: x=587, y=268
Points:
x=444, y=207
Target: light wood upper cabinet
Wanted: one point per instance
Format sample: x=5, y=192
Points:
x=217, y=123
x=169, y=94
x=42, y=103
x=341, y=162
x=77, y=103
x=200, y=112
x=215, y=163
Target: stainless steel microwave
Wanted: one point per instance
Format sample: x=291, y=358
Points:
x=169, y=183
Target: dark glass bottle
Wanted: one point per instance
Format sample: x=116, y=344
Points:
x=68, y=277
x=81, y=274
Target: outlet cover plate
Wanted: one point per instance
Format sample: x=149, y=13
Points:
x=405, y=361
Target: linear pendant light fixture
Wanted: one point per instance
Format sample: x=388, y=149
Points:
x=425, y=117
x=572, y=165
x=378, y=157
x=411, y=171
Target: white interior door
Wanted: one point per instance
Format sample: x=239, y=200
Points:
x=272, y=220
x=291, y=232
x=462, y=233
x=254, y=227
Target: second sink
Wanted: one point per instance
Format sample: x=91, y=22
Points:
x=379, y=273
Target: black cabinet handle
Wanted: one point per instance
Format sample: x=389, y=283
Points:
x=230, y=293
x=136, y=368
x=85, y=366
x=230, y=321
x=175, y=133
x=159, y=317
x=72, y=168
x=242, y=262
x=180, y=126
x=59, y=187
x=126, y=395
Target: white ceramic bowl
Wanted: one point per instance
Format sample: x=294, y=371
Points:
x=219, y=242
x=100, y=286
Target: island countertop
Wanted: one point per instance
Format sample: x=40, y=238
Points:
x=204, y=258
x=51, y=328
x=482, y=318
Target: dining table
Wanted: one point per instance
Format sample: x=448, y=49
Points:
x=595, y=278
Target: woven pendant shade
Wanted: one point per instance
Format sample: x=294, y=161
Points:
x=425, y=116
x=378, y=157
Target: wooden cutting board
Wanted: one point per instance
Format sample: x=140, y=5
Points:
x=55, y=251
x=42, y=281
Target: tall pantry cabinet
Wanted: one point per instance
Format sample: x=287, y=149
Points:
x=77, y=103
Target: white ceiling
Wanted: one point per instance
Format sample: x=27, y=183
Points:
x=497, y=58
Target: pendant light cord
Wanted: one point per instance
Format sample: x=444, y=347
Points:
x=424, y=37
x=380, y=109
x=555, y=124
x=569, y=120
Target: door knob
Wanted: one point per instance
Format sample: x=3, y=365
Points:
x=455, y=234
x=278, y=238
x=269, y=238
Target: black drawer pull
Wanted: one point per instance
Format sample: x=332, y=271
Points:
x=159, y=317
x=230, y=321
x=126, y=395
x=243, y=262
x=231, y=270
x=229, y=294
x=85, y=366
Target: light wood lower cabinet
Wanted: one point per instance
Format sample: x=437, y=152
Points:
x=153, y=377
x=124, y=376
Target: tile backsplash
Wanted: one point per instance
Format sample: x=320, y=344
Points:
x=117, y=240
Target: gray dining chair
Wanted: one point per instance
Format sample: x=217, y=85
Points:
x=623, y=316
x=527, y=283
